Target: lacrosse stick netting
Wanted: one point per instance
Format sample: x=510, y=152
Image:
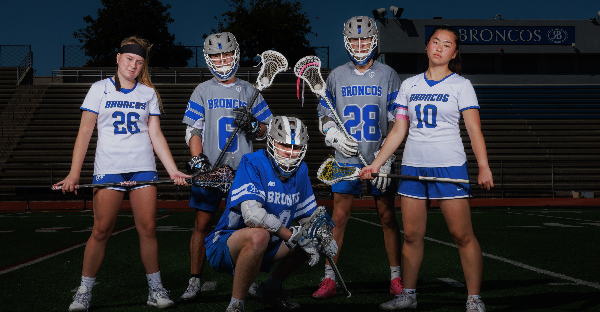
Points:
x=221, y=179
x=273, y=63
x=332, y=172
x=308, y=69
x=320, y=228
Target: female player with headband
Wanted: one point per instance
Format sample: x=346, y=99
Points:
x=430, y=104
x=127, y=109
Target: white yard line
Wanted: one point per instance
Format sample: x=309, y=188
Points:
x=515, y=263
x=553, y=217
x=63, y=251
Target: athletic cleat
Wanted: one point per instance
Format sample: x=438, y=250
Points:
x=81, y=300
x=252, y=290
x=276, y=298
x=396, y=286
x=326, y=289
x=193, y=290
x=236, y=307
x=159, y=297
x=475, y=305
x=398, y=303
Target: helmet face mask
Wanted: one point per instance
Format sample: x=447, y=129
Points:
x=287, y=144
x=222, y=55
x=357, y=33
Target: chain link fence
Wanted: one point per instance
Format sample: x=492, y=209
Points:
x=74, y=56
x=323, y=54
x=12, y=55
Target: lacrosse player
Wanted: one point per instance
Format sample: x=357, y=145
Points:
x=214, y=109
x=127, y=109
x=362, y=92
x=430, y=104
x=270, y=191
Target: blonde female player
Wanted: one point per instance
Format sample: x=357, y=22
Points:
x=430, y=104
x=126, y=108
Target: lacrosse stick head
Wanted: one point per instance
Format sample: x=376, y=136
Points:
x=273, y=62
x=216, y=54
x=308, y=69
x=220, y=178
x=319, y=226
x=332, y=172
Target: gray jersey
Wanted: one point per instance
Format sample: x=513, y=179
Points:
x=364, y=103
x=210, y=109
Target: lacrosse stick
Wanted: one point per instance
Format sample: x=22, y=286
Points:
x=320, y=227
x=221, y=179
x=272, y=63
x=332, y=172
x=420, y=178
x=309, y=69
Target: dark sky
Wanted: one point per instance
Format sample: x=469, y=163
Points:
x=48, y=25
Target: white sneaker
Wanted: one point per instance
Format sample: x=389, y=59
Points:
x=236, y=307
x=193, y=290
x=159, y=297
x=400, y=302
x=475, y=305
x=81, y=300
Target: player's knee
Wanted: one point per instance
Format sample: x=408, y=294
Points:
x=462, y=238
x=101, y=234
x=201, y=228
x=258, y=239
x=388, y=219
x=413, y=237
x=146, y=230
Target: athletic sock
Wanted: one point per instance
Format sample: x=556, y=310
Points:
x=410, y=292
x=88, y=282
x=272, y=284
x=395, y=272
x=198, y=276
x=153, y=280
x=329, y=272
x=233, y=300
x=474, y=297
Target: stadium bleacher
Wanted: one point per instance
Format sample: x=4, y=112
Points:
x=542, y=141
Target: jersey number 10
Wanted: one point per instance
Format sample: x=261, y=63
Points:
x=429, y=116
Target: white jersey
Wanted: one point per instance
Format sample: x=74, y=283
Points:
x=433, y=109
x=123, y=140
x=365, y=104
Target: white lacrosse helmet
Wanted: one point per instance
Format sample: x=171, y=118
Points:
x=360, y=27
x=289, y=131
x=217, y=44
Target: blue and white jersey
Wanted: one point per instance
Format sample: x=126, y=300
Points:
x=365, y=104
x=433, y=109
x=123, y=140
x=289, y=200
x=210, y=109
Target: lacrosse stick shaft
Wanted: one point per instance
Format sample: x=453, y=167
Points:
x=420, y=178
x=338, y=276
x=341, y=125
x=235, y=131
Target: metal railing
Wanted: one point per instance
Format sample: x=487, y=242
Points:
x=25, y=65
x=12, y=55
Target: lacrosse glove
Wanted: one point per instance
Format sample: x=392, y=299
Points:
x=382, y=183
x=311, y=250
x=246, y=122
x=337, y=139
x=295, y=238
x=198, y=163
x=330, y=250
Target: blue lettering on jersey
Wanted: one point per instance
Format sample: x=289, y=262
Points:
x=225, y=103
x=361, y=91
x=125, y=104
x=429, y=97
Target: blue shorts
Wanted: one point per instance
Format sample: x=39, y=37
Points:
x=354, y=186
x=219, y=258
x=435, y=190
x=207, y=199
x=122, y=177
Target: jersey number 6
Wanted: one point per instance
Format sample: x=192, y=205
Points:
x=132, y=119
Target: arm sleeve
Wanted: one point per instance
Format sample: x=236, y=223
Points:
x=402, y=103
x=153, y=106
x=195, y=109
x=467, y=98
x=307, y=203
x=94, y=98
x=247, y=185
x=323, y=109
x=394, y=88
x=261, y=110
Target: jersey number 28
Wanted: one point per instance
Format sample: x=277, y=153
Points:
x=368, y=115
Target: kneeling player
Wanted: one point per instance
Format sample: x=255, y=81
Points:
x=270, y=191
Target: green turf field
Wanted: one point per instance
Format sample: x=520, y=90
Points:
x=534, y=260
